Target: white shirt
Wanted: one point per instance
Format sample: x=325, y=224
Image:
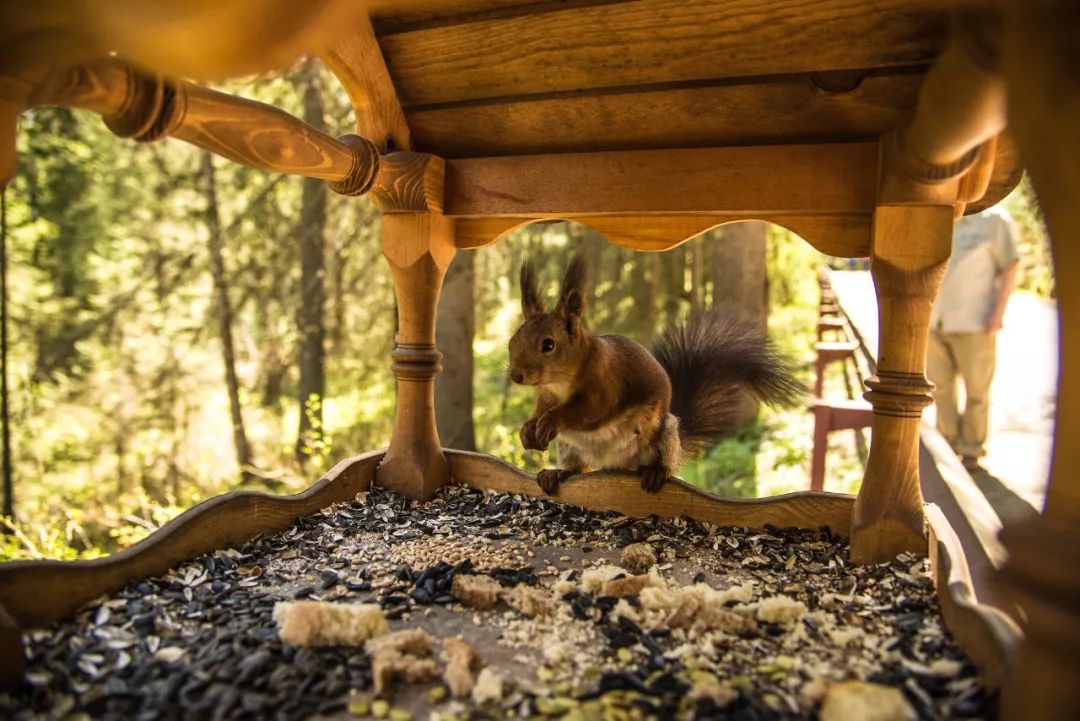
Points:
x=983, y=247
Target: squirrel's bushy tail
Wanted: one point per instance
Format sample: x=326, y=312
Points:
x=710, y=359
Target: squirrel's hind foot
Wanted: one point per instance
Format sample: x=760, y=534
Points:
x=550, y=478
x=653, y=477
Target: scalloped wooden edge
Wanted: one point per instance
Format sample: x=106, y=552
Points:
x=39, y=593
x=988, y=635
x=608, y=491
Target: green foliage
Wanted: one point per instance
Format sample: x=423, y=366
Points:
x=1036, y=265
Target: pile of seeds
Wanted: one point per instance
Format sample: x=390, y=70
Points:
x=788, y=617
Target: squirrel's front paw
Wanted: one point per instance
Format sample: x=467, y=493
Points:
x=550, y=478
x=528, y=436
x=545, y=432
x=653, y=477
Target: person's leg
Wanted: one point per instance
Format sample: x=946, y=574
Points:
x=941, y=370
x=975, y=355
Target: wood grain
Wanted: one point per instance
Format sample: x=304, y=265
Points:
x=988, y=635
x=357, y=61
x=961, y=105
x=910, y=251
x=260, y=136
x=607, y=491
x=38, y=593
x=837, y=178
x=845, y=236
x=762, y=112
x=656, y=41
x=410, y=183
x=419, y=247
x=394, y=15
x=147, y=107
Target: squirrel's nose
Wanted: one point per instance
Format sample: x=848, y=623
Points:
x=517, y=377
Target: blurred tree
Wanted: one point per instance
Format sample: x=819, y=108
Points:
x=224, y=313
x=309, y=314
x=455, y=328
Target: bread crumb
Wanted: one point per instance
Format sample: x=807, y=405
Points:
x=638, y=558
x=412, y=641
x=402, y=654
x=561, y=587
x=530, y=601
x=594, y=579
x=318, y=623
x=698, y=607
x=623, y=609
x=632, y=585
x=843, y=636
x=811, y=693
x=710, y=689
x=461, y=660
x=488, y=688
x=865, y=701
x=780, y=609
x=388, y=664
x=479, y=592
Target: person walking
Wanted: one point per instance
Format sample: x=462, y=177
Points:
x=964, y=323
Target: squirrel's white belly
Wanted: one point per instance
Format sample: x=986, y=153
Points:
x=617, y=445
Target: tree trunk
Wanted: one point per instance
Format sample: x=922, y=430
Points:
x=697, y=274
x=740, y=284
x=224, y=313
x=454, y=330
x=5, y=401
x=674, y=263
x=644, y=280
x=309, y=316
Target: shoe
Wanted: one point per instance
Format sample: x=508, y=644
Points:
x=971, y=463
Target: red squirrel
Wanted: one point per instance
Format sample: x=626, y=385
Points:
x=613, y=405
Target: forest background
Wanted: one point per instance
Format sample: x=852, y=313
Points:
x=181, y=326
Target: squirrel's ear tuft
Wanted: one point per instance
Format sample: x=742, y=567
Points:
x=572, y=298
x=530, y=293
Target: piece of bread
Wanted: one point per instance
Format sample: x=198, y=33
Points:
x=461, y=660
x=479, y=592
x=319, y=623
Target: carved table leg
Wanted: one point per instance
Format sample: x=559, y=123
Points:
x=911, y=246
x=418, y=242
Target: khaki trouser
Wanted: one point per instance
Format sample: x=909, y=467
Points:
x=971, y=357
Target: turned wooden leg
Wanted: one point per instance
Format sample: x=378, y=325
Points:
x=419, y=247
x=1043, y=568
x=911, y=246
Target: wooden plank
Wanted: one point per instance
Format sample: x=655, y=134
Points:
x=836, y=178
x=657, y=41
x=778, y=110
x=38, y=593
x=988, y=635
x=358, y=63
x=607, y=491
x=395, y=16
x=845, y=236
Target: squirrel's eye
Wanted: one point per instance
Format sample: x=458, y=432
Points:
x=547, y=345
